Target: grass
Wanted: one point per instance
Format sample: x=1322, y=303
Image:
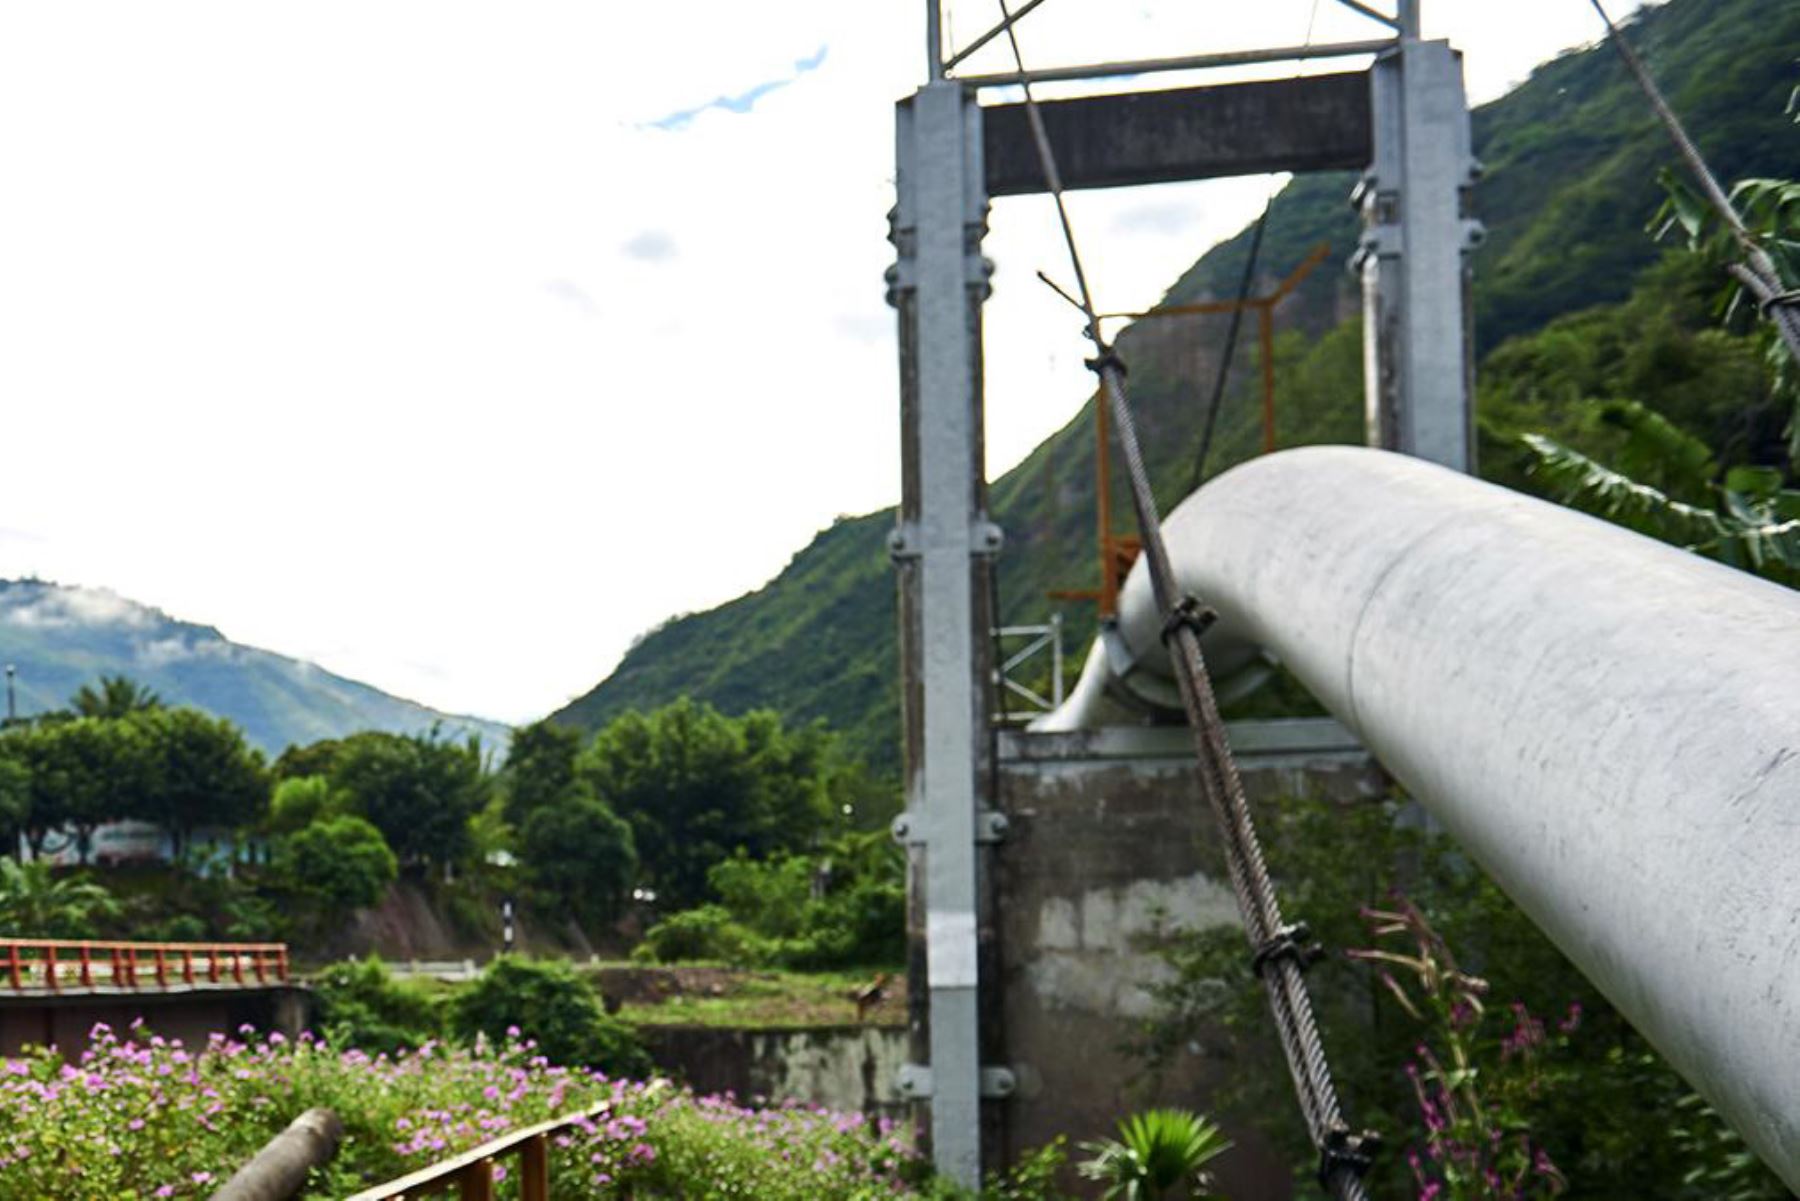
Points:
x=700, y=994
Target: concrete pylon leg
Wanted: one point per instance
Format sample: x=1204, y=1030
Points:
x=942, y=548
x=1413, y=257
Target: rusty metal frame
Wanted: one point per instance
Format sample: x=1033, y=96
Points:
x=1119, y=551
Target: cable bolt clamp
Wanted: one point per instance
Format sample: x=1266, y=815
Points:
x=1107, y=358
x=1343, y=1151
x=1780, y=300
x=1290, y=942
x=1190, y=612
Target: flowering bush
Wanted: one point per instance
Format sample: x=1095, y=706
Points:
x=1474, y=1093
x=143, y=1117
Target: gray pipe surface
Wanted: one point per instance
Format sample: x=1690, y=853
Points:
x=278, y=1171
x=1608, y=725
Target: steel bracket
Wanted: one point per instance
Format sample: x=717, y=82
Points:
x=913, y=1081
x=903, y=542
x=990, y=827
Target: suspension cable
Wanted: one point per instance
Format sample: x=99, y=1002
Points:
x=1281, y=952
x=1759, y=273
x=1231, y=340
x=951, y=63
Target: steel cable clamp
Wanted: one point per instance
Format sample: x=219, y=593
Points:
x=1105, y=359
x=1190, y=612
x=1788, y=299
x=1294, y=942
x=1353, y=1153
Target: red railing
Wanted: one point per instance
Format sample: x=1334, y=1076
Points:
x=55, y=965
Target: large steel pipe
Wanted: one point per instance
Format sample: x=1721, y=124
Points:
x=1608, y=725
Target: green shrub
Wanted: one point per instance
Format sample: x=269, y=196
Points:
x=360, y=1004
x=180, y=927
x=339, y=864
x=1033, y=1177
x=708, y=932
x=844, y=908
x=548, y=1002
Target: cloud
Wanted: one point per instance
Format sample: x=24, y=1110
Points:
x=573, y=295
x=744, y=101
x=60, y=606
x=160, y=652
x=651, y=246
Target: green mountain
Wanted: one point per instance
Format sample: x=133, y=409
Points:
x=58, y=638
x=1572, y=158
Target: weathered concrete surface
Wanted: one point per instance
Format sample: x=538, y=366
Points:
x=1109, y=846
x=188, y=1014
x=850, y=1069
x=1316, y=123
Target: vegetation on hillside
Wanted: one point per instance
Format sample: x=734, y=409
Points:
x=1571, y=158
x=680, y=809
x=842, y=906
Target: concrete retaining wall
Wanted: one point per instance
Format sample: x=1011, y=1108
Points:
x=1108, y=845
x=845, y=1068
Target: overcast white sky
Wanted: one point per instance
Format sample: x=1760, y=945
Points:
x=451, y=345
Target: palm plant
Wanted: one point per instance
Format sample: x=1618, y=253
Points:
x=1160, y=1153
x=117, y=696
x=1668, y=487
x=35, y=904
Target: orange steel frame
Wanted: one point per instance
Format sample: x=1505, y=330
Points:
x=1119, y=551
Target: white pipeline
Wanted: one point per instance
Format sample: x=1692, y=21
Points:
x=1608, y=725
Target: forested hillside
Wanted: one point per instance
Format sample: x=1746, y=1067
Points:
x=1569, y=305
x=59, y=638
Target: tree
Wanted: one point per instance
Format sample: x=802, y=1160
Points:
x=540, y=770
x=299, y=801
x=341, y=864
x=419, y=791
x=15, y=796
x=313, y=759
x=35, y=904
x=581, y=855
x=116, y=696
x=84, y=771
x=202, y=773
x=697, y=786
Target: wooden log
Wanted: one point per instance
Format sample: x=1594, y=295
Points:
x=279, y=1170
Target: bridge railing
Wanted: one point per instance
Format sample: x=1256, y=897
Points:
x=470, y=1176
x=59, y=965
